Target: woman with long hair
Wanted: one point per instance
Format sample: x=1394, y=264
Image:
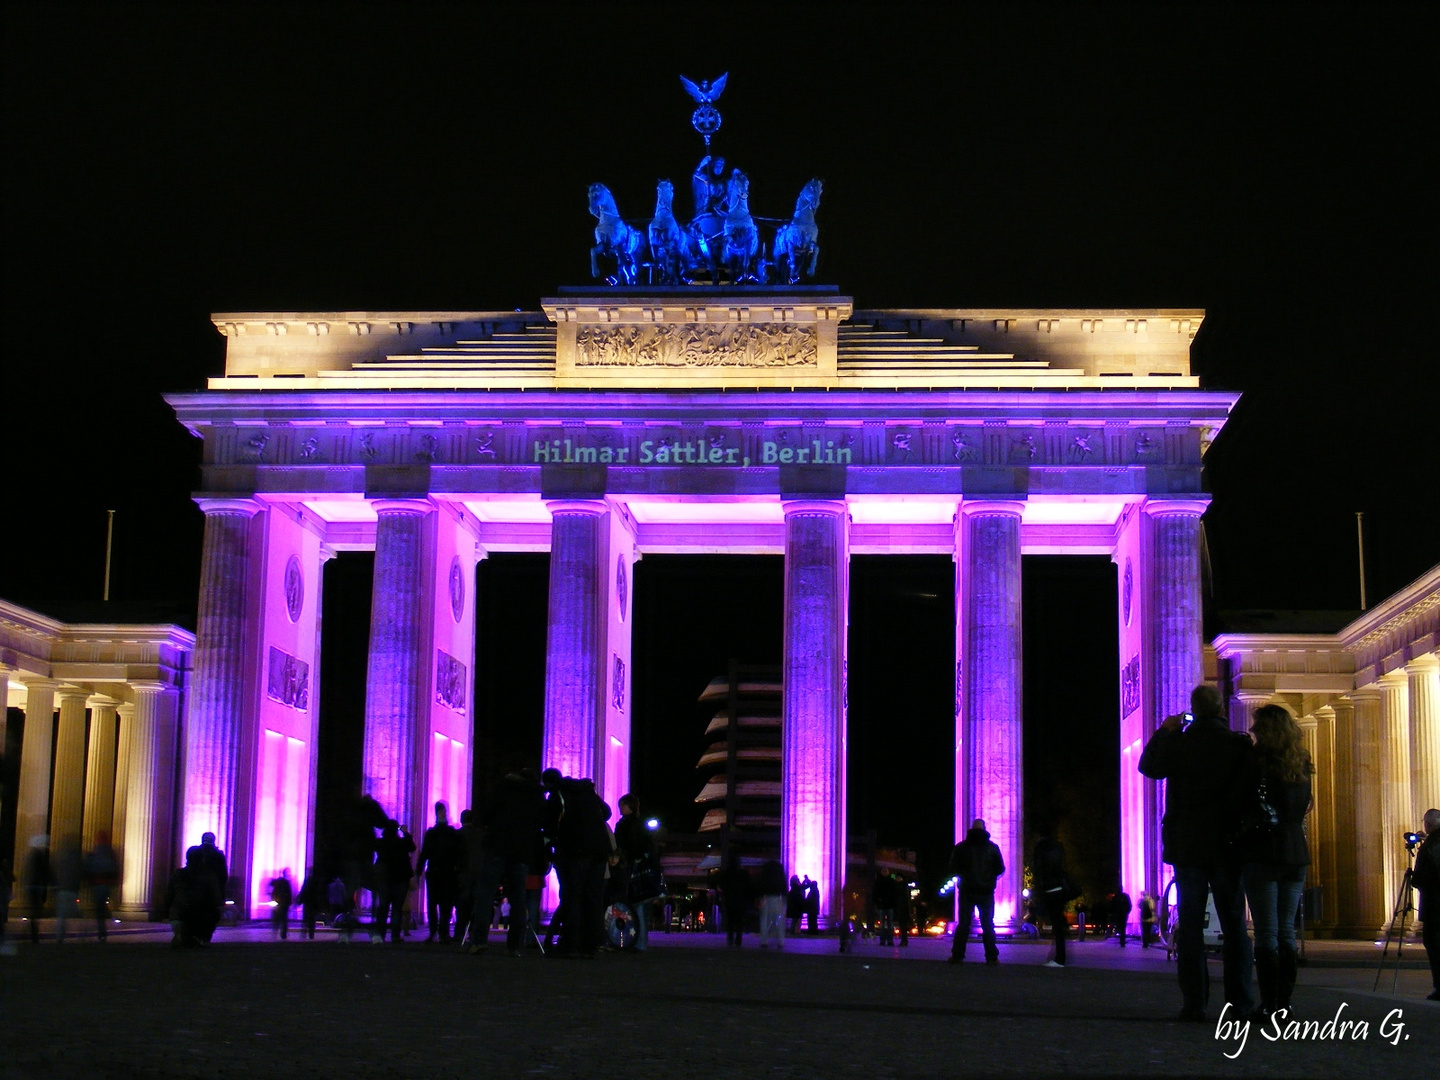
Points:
x=1275, y=796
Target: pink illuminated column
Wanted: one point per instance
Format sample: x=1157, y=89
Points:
x=1173, y=635
x=32, y=797
x=219, y=692
x=148, y=846
x=396, y=712
x=989, y=781
x=574, y=642
x=812, y=740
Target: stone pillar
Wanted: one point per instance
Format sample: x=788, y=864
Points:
x=32, y=796
x=99, y=771
x=67, y=793
x=396, y=716
x=1395, y=755
x=4, y=705
x=148, y=846
x=125, y=722
x=1174, y=638
x=1322, y=817
x=574, y=653
x=989, y=628
x=1424, y=687
x=224, y=669
x=1242, y=709
x=812, y=736
x=1373, y=892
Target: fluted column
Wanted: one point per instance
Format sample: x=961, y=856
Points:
x=396, y=717
x=148, y=849
x=32, y=797
x=1242, y=709
x=67, y=792
x=99, y=771
x=125, y=724
x=574, y=653
x=1175, y=636
x=1424, y=688
x=1345, y=904
x=1322, y=817
x=1395, y=756
x=4, y=705
x=989, y=618
x=1373, y=891
x=223, y=666
x=812, y=738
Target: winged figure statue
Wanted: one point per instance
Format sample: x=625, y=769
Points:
x=707, y=91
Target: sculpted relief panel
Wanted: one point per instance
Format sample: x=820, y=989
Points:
x=697, y=345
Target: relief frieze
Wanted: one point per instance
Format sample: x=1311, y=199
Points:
x=697, y=345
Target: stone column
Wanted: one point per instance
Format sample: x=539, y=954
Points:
x=224, y=666
x=67, y=793
x=32, y=796
x=1395, y=755
x=125, y=722
x=1424, y=686
x=1322, y=817
x=989, y=617
x=396, y=717
x=4, y=705
x=1242, y=709
x=812, y=734
x=99, y=771
x=149, y=848
x=574, y=652
x=1175, y=636
x=1373, y=892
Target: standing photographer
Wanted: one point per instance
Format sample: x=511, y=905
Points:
x=1426, y=879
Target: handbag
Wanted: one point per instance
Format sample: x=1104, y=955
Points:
x=1258, y=817
x=647, y=880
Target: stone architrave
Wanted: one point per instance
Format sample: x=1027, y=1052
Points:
x=148, y=846
x=1424, y=694
x=32, y=798
x=67, y=793
x=988, y=617
x=221, y=688
x=813, y=725
x=99, y=771
x=396, y=712
x=574, y=652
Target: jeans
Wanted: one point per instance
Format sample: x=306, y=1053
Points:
x=1193, y=884
x=1059, y=924
x=1274, y=895
x=983, y=904
x=772, y=920
x=641, y=908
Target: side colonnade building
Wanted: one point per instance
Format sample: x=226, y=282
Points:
x=618, y=422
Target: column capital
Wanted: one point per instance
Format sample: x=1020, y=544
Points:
x=815, y=507
x=1191, y=507
x=125, y=710
x=1325, y=712
x=101, y=701
x=1422, y=664
x=1395, y=679
x=243, y=507
x=66, y=692
x=150, y=686
x=592, y=507
x=1368, y=693
x=37, y=683
x=992, y=507
x=415, y=507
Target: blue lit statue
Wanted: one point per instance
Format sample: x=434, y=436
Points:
x=796, y=247
x=668, y=247
x=742, y=238
x=614, y=238
x=707, y=228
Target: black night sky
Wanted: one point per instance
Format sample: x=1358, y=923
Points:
x=162, y=163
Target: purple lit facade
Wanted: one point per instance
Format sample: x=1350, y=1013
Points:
x=432, y=452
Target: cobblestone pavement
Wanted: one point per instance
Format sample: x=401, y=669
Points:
x=256, y=1008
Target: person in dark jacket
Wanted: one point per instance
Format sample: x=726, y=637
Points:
x=883, y=895
x=1201, y=759
x=191, y=900
x=636, y=849
x=391, y=879
x=312, y=899
x=439, y=863
x=1426, y=879
x=282, y=895
x=1147, y=920
x=795, y=903
x=210, y=859
x=511, y=821
x=977, y=863
x=1275, y=858
x=37, y=882
x=1051, y=881
x=582, y=854
x=102, y=874
x=1120, y=908
x=736, y=894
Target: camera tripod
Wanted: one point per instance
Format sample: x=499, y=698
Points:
x=1403, y=907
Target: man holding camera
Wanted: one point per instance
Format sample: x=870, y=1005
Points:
x=1200, y=759
x=1426, y=879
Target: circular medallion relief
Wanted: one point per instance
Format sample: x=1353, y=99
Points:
x=294, y=588
x=1127, y=590
x=457, y=589
x=622, y=584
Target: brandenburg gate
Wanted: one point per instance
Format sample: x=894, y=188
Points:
x=627, y=419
